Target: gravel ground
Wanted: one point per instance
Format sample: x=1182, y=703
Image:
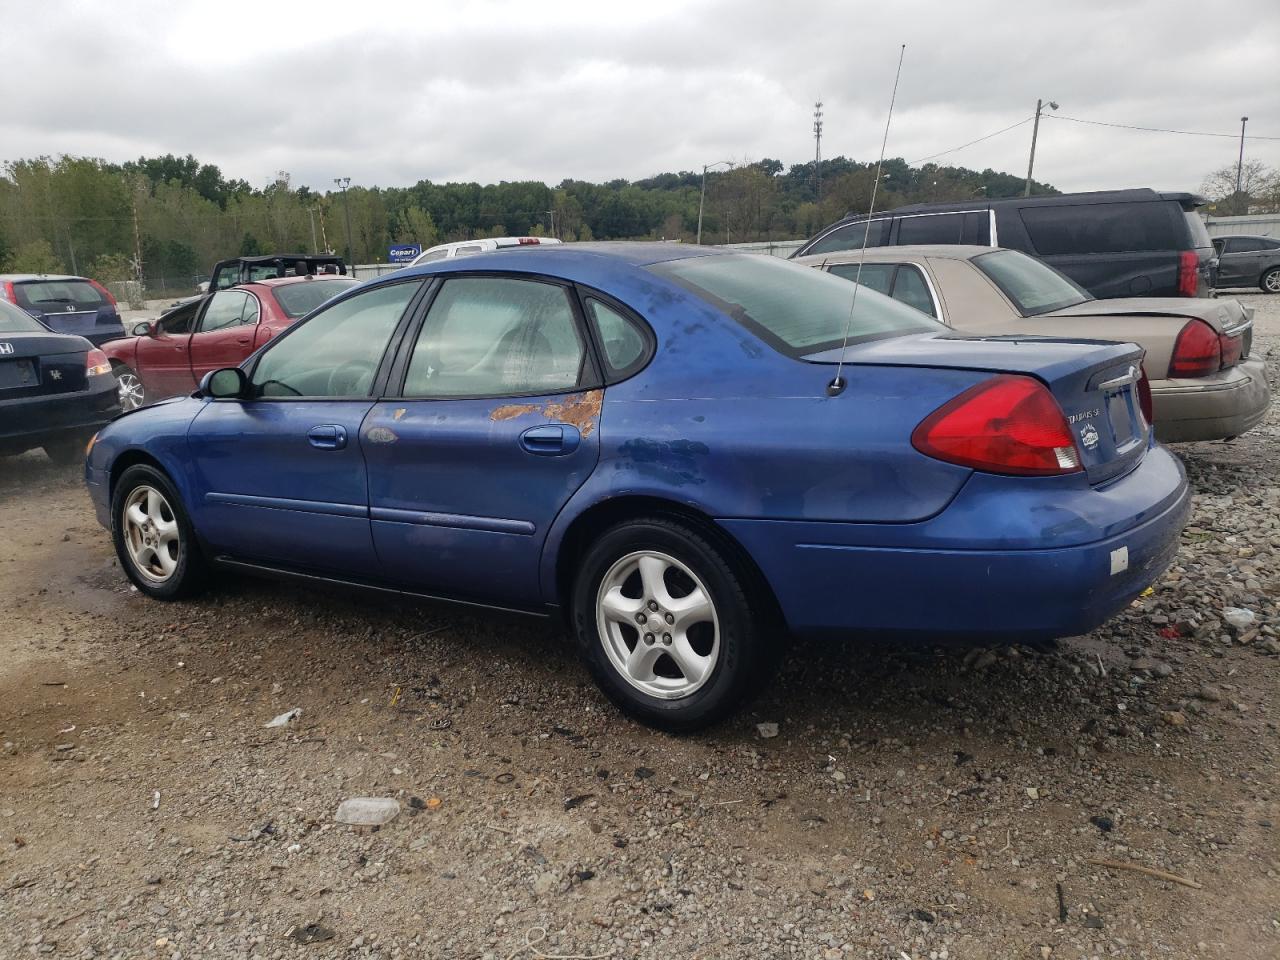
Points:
x=934, y=803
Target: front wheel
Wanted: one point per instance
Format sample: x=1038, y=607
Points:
x=153, y=536
x=1270, y=282
x=665, y=624
x=129, y=388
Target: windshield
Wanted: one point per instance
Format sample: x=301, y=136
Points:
x=1034, y=287
x=299, y=299
x=14, y=320
x=797, y=310
x=56, y=294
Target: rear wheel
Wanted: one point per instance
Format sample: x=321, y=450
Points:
x=153, y=536
x=665, y=624
x=129, y=387
x=1270, y=282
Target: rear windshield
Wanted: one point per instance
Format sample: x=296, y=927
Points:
x=1034, y=287
x=299, y=299
x=797, y=310
x=55, y=294
x=13, y=320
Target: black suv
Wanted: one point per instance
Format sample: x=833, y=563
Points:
x=1114, y=243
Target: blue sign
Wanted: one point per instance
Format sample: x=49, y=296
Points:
x=404, y=253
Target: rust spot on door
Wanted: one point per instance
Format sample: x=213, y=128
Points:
x=511, y=411
x=581, y=410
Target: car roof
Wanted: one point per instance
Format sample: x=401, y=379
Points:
x=23, y=277
x=945, y=251
x=572, y=254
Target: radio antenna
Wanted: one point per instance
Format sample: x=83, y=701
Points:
x=836, y=386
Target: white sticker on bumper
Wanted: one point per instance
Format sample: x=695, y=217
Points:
x=1119, y=560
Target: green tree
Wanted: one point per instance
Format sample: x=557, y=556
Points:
x=36, y=256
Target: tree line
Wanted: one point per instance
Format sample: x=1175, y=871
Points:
x=167, y=219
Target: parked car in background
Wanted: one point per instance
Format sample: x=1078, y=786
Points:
x=56, y=389
x=1203, y=383
x=168, y=356
x=464, y=248
x=71, y=305
x=1117, y=243
x=687, y=453
x=1245, y=261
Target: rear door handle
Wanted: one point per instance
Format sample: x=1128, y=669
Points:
x=551, y=440
x=244, y=339
x=327, y=436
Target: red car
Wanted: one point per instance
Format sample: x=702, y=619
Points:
x=167, y=357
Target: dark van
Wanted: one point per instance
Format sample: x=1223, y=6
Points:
x=1114, y=243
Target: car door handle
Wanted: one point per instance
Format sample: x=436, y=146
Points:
x=327, y=436
x=244, y=339
x=551, y=440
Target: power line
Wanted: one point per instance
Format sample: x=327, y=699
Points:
x=1012, y=126
x=1130, y=126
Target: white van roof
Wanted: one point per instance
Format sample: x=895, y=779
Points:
x=464, y=248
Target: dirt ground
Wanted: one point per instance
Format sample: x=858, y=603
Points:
x=915, y=803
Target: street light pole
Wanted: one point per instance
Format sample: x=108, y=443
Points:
x=1035, y=132
x=345, y=182
x=1240, y=168
x=703, y=198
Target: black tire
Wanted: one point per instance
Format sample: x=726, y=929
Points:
x=189, y=575
x=129, y=399
x=749, y=636
x=1269, y=282
x=66, y=451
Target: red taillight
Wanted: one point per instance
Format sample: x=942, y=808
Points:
x=1144, y=397
x=1232, y=349
x=96, y=362
x=1008, y=424
x=6, y=291
x=1198, y=351
x=104, y=291
x=1188, y=273
x=527, y=240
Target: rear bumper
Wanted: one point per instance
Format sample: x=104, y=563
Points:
x=826, y=581
x=30, y=421
x=1213, y=408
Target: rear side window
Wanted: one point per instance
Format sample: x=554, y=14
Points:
x=1101, y=228
x=1196, y=228
x=57, y=294
x=626, y=348
x=850, y=236
x=910, y=288
x=796, y=310
x=930, y=228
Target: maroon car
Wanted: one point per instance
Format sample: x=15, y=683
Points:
x=167, y=357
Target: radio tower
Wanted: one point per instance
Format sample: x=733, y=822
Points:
x=817, y=149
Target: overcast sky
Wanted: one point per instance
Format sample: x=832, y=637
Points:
x=391, y=93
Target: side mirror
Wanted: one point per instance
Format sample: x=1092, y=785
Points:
x=229, y=383
x=147, y=328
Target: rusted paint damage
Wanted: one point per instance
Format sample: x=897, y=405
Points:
x=400, y=412
x=581, y=410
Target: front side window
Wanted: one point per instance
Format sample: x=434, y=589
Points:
x=336, y=353
x=180, y=319
x=1034, y=287
x=797, y=310
x=1245, y=245
x=850, y=237
x=930, y=228
x=496, y=337
x=873, y=276
x=226, y=309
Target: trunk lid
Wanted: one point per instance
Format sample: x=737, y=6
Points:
x=1228, y=317
x=35, y=364
x=1095, y=383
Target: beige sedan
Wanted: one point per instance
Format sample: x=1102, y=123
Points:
x=1204, y=385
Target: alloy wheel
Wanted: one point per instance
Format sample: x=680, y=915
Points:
x=130, y=390
x=658, y=624
x=151, y=533
x=1272, y=281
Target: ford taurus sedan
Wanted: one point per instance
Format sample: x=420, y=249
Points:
x=687, y=454
x=1205, y=385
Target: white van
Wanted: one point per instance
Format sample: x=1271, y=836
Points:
x=464, y=248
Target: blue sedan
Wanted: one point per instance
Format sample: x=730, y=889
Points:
x=687, y=454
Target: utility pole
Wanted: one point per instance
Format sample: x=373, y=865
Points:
x=703, y=199
x=345, y=182
x=817, y=150
x=137, y=244
x=1240, y=170
x=1035, y=130
x=552, y=215
x=311, y=215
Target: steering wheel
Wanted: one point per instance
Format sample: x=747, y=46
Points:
x=262, y=387
x=348, y=380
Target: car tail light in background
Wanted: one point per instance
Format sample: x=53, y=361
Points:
x=1197, y=352
x=96, y=362
x=527, y=240
x=1144, y=397
x=104, y=291
x=6, y=291
x=1008, y=424
x=1188, y=274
